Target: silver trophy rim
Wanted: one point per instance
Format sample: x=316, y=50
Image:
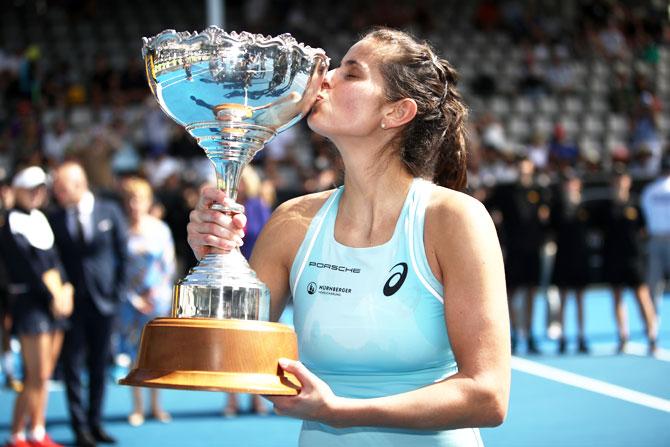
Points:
x=216, y=35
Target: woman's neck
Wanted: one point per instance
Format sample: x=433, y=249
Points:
x=135, y=223
x=372, y=200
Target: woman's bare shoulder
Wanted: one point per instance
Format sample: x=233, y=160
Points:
x=302, y=209
x=289, y=222
x=458, y=231
x=449, y=204
x=453, y=216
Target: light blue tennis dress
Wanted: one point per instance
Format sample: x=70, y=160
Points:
x=370, y=322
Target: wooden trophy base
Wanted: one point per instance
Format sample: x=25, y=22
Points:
x=236, y=356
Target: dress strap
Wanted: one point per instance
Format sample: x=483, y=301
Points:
x=417, y=249
x=313, y=233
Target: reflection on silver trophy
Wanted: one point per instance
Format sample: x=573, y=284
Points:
x=233, y=93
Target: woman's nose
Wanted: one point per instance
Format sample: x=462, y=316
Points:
x=328, y=79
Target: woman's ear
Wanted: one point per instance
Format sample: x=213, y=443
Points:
x=400, y=113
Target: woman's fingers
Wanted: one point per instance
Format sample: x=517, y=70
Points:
x=240, y=221
x=210, y=195
x=210, y=228
x=214, y=235
x=234, y=224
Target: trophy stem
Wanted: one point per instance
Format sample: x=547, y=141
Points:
x=230, y=146
x=228, y=173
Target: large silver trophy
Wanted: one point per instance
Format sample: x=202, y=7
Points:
x=233, y=92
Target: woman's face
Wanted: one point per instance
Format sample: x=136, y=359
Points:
x=138, y=204
x=30, y=199
x=351, y=97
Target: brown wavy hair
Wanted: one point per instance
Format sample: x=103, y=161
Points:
x=433, y=144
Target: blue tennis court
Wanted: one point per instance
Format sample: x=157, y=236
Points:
x=600, y=399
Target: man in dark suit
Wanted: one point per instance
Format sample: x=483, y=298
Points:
x=91, y=235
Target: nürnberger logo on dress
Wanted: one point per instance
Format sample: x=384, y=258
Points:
x=313, y=288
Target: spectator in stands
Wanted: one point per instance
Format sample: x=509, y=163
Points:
x=96, y=156
x=513, y=17
x=101, y=79
x=563, y=154
x=124, y=157
x=484, y=84
x=30, y=75
x=41, y=301
x=570, y=221
x=134, y=81
x=622, y=256
x=487, y=15
x=158, y=129
x=560, y=75
x=646, y=48
x=621, y=95
x=25, y=132
x=57, y=81
x=646, y=139
x=538, y=151
x=151, y=268
x=499, y=166
x=611, y=43
x=532, y=81
x=493, y=132
x=282, y=163
x=57, y=141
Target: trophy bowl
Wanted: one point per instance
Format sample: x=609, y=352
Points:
x=233, y=92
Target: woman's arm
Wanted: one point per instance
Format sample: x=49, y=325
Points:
x=463, y=250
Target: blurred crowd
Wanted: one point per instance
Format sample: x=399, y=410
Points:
x=567, y=206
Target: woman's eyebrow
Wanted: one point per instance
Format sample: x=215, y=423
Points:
x=352, y=62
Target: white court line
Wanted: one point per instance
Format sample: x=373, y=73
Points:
x=589, y=384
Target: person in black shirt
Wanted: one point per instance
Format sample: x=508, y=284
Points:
x=570, y=221
x=6, y=354
x=524, y=213
x=622, y=258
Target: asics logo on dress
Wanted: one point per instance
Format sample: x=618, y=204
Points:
x=395, y=282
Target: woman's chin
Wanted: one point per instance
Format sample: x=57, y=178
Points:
x=313, y=122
